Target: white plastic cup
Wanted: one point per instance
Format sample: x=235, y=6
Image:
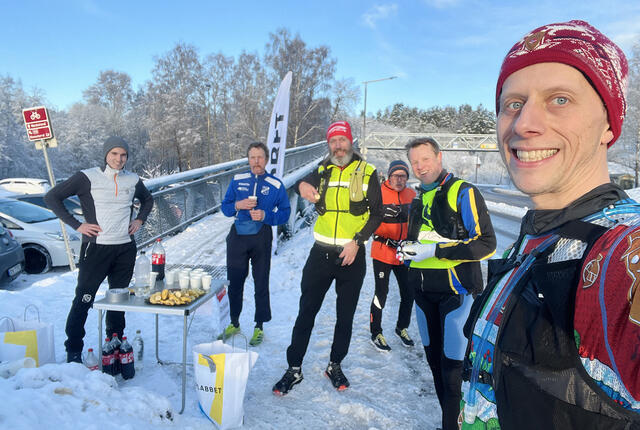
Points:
x=195, y=281
x=152, y=279
x=206, y=282
x=186, y=272
x=183, y=280
x=170, y=277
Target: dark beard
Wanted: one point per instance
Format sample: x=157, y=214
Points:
x=342, y=161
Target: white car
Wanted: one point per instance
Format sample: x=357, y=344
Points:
x=38, y=231
x=25, y=185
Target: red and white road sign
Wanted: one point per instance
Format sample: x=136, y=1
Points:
x=36, y=120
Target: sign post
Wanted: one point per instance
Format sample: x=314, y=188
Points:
x=39, y=130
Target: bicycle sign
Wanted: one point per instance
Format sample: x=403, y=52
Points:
x=36, y=120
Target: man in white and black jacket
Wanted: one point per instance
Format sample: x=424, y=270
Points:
x=108, y=246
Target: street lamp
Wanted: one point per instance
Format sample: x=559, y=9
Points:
x=208, y=125
x=364, y=114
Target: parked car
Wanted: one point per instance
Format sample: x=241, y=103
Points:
x=71, y=203
x=11, y=257
x=38, y=231
x=25, y=185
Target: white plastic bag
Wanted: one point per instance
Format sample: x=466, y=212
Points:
x=27, y=338
x=221, y=373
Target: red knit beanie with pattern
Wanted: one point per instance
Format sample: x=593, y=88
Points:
x=340, y=128
x=577, y=44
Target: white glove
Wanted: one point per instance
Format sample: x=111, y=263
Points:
x=416, y=251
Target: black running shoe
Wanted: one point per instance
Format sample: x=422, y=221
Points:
x=380, y=343
x=404, y=337
x=291, y=377
x=338, y=380
x=74, y=357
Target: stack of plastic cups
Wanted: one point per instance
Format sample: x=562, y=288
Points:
x=195, y=281
x=206, y=282
x=152, y=280
x=183, y=280
x=170, y=278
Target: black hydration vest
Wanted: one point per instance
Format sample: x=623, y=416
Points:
x=446, y=221
x=536, y=361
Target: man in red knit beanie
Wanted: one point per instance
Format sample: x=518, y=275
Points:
x=553, y=340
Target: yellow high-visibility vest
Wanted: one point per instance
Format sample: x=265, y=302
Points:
x=427, y=226
x=338, y=225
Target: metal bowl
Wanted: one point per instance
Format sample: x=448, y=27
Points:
x=118, y=295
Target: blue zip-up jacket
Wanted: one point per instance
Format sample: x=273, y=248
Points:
x=272, y=199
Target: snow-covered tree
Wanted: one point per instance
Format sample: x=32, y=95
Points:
x=18, y=156
x=176, y=112
x=313, y=71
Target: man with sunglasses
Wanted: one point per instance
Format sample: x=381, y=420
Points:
x=396, y=199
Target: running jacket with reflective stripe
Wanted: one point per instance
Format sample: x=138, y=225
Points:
x=455, y=210
x=392, y=228
x=272, y=199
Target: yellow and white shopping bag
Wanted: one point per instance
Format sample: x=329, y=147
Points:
x=26, y=338
x=221, y=373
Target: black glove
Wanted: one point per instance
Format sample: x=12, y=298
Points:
x=391, y=211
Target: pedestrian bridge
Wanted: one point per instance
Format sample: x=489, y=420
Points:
x=447, y=141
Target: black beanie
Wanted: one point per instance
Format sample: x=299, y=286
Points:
x=114, y=142
x=398, y=165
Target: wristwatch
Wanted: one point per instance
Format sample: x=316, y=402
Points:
x=359, y=240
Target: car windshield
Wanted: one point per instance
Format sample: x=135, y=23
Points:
x=25, y=212
x=71, y=205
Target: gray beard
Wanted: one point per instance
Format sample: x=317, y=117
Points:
x=342, y=161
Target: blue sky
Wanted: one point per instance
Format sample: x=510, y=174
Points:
x=444, y=52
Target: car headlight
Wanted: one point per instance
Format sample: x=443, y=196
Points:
x=56, y=236
x=73, y=237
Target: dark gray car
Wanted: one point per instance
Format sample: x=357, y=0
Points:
x=11, y=257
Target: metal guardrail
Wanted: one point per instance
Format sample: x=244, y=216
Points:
x=183, y=198
x=447, y=141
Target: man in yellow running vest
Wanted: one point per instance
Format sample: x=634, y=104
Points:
x=449, y=232
x=346, y=192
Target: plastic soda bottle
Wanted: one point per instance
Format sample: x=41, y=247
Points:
x=115, y=343
x=108, y=357
x=91, y=361
x=158, y=259
x=126, y=359
x=138, y=350
x=141, y=270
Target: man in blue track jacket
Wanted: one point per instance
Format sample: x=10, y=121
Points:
x=258, y=200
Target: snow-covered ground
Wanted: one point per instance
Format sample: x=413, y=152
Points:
x=392, y=390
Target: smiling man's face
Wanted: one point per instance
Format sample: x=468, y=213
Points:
x=553, y=133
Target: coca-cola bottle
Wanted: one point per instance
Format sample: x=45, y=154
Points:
x=91, y=361
x=115, y=343
x=158, y=259
x=126, y=359
x=108, y=357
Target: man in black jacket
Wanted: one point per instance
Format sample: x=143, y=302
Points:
x=553, y=340
x=451, y=232
x=108, y=247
